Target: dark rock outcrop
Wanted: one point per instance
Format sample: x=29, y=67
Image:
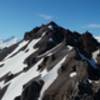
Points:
x=18, y=98
x=32, y=91
x=32, y=34
x=88, y=43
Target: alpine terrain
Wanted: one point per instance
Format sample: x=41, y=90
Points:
x=51, y=63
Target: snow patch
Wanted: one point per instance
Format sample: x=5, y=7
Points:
x=43, y=34
x=94, y=55
x=2, y=84
x=73, y=74
x=70, y=47
x=50, y=27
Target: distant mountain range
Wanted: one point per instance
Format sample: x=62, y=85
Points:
x=8, y=42
x=50, y=63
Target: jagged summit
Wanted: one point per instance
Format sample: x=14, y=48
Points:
x=37, y=31
x=51, y=63
x=52, y=23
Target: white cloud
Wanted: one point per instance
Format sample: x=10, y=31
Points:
x=93, y=26
x=46, y=17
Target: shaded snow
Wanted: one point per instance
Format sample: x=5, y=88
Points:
x=43, y=34
x=91, y=61
x=94, y=55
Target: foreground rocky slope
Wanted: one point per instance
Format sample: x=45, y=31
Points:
x=51, y=63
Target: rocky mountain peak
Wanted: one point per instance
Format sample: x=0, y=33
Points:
x=51, y=63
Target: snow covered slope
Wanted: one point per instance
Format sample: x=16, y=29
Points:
x=15, y=65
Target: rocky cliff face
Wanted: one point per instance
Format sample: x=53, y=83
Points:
x=51, y=63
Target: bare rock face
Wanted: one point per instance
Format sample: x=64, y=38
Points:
x=88, y=43
x=72, y=38
x=32, y=34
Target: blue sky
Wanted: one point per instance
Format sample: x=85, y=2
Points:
x=19, y=16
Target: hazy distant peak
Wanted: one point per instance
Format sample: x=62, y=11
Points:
x=8, y=42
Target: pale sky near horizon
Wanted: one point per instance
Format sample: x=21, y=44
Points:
x=19, y=16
